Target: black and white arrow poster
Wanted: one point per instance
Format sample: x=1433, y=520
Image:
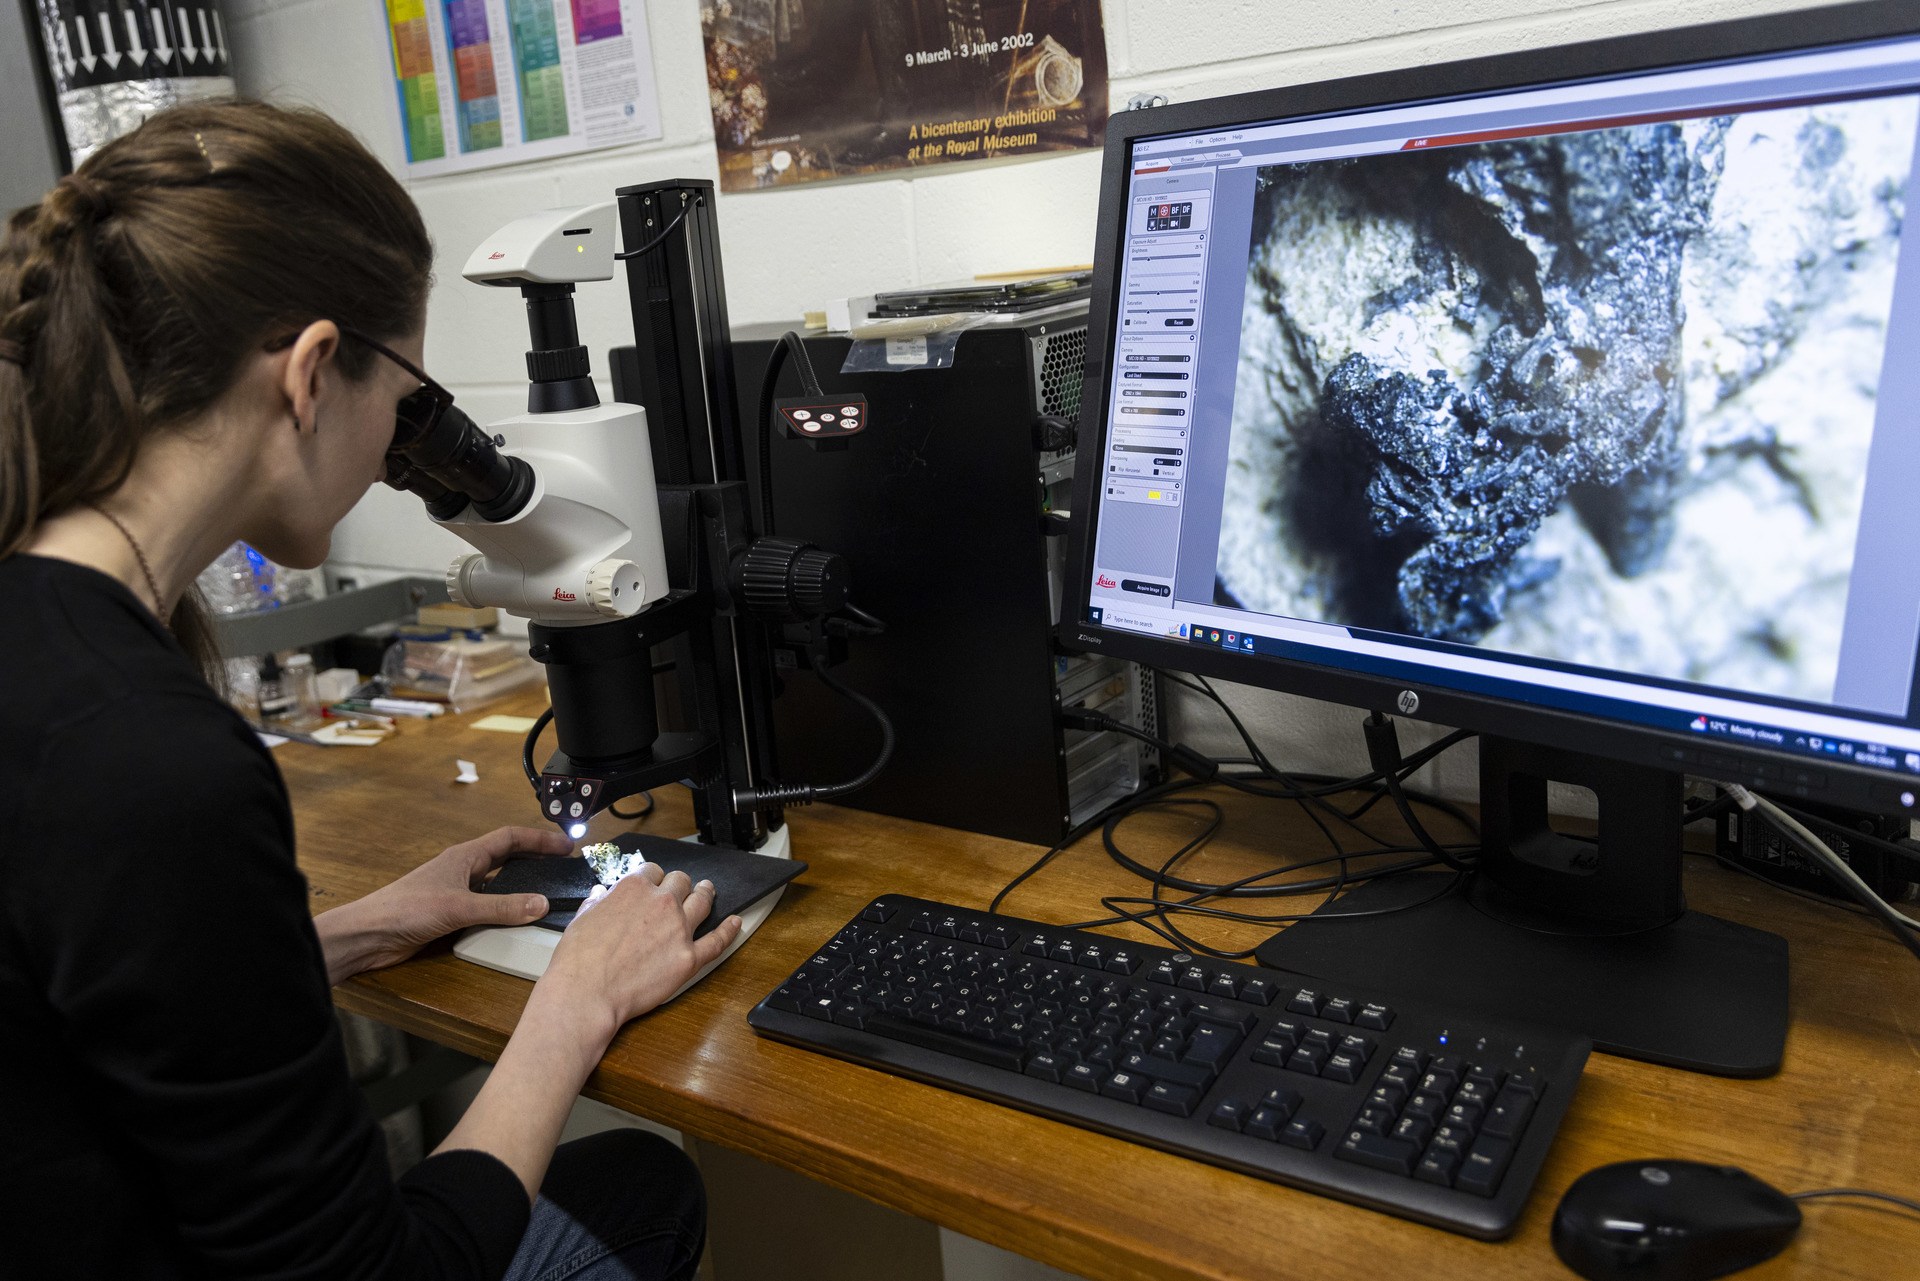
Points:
x=113, y=63
x=100, y=42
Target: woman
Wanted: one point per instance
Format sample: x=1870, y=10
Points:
x=196, y=342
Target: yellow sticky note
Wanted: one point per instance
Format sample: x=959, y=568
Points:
x=505, y=724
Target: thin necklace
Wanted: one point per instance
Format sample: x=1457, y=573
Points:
x=146, y=571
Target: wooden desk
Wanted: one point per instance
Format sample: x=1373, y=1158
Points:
x=1842, y=1112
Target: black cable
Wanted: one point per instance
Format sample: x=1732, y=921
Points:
x=619, y=813
x=1293, y=781
x=1079, y=830
x=1162, y=924
x=527, y=746
x=775, y=796
x=765, y=425
x=1201, y=685
x=1205, y=768
x=1238, y=889
x=1168, y=930
x=664, y=231
x=1308, y=791
x=872, y=624
x=1901, y=1201
x=873, y=709
x=1155, y=793
x=1383, y=752
x=1709, y=809
x=1246, y=886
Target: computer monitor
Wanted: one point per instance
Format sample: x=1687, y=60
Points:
x=1571, y=396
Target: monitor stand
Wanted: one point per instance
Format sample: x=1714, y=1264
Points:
x=1591, y=935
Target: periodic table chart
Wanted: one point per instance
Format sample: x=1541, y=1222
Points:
x=491, y=82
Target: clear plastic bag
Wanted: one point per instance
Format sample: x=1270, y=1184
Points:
x=239, y=581
x=459, y=671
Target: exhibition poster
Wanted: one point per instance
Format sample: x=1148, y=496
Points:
x=492, y=82
x=808, y=90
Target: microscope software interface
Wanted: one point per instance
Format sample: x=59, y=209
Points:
x=1600, y=395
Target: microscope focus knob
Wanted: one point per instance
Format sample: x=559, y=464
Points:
x=616, y=588
x=783, y=579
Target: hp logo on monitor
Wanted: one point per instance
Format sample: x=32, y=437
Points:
x=1409, y=702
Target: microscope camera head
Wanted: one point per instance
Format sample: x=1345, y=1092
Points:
x=545, y=255
x=552, y=247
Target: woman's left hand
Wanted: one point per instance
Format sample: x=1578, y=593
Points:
x=435, y=899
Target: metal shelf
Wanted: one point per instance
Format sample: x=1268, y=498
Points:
x=310, y=622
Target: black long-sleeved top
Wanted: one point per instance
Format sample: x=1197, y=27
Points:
x=175, y=1094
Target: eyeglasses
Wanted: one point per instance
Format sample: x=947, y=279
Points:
x=419, y=411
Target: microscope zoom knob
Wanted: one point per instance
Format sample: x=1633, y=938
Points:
x=457, y=577
x=616, y=588
x=760, y=577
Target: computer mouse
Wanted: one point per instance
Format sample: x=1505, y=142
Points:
x=1670, y=1221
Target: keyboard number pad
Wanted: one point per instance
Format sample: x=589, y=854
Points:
x=1442, y=1120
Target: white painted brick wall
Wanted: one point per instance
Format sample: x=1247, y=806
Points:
x=786, y=251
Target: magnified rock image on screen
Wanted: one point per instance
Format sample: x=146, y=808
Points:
x=1603, y=397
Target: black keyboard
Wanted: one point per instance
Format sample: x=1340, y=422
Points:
x=1434, y=1115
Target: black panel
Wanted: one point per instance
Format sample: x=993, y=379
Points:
x=936, y=507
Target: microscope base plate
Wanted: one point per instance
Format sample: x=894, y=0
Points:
x=525, y=950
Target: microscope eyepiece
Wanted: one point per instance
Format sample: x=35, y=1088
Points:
x=443, y=456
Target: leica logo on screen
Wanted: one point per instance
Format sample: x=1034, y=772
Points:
x=1105, y=581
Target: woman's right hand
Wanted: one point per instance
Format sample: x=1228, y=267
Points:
x=631, y=949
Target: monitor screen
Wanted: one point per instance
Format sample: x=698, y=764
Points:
x=1596, y=398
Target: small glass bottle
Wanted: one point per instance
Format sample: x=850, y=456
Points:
x=275, y=705
x=297, y=681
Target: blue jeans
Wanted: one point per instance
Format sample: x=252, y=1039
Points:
x=623, y=1204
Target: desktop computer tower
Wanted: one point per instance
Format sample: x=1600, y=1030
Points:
x=940, y=507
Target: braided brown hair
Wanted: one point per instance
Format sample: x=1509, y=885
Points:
x=133, y=292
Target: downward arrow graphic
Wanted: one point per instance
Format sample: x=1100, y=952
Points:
x=112, y=54
x=136, y=47
x=87, y=59
x=206, y=37
x=187, y=47
x=220, y=34
x=162, y=38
